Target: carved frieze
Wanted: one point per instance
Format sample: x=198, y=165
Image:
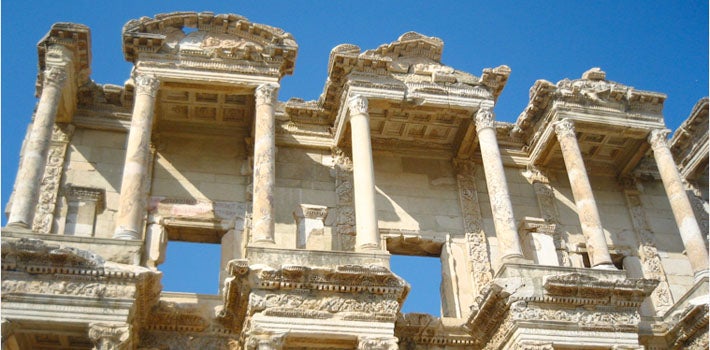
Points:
x=345, y=217
x=472, y=223
x=50, y=184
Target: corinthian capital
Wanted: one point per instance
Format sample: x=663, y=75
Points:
x=55, y=75
x=564, y=128
x=658, y=138
x=109, y=336
x=365, y=343
x=146, y=84
x=357, y=104
x=266, y=94
x=485, y=118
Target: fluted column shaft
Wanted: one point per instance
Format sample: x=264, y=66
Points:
x=133, y=199
x=587, y=210
x=34, y=158
x=264, y=165
x=688, y=226
x=368, y=235
x=499, y=196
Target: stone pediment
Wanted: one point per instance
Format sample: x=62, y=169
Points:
x=204, y=36
x=591, y=91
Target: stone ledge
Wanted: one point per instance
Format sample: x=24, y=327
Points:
x=315, y=258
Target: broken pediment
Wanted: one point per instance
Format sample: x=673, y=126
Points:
x=205, y=36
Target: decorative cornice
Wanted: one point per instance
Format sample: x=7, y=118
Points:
x=266, y=94
x=358, y=105
x=146, y=85
x=485, y=119
x=658, y=138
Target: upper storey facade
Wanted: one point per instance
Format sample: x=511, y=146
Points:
x=579, y=199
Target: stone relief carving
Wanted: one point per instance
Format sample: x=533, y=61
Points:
x=365, y=343
x=586, y=319
x=50, y=184
x=658, y=138
x=345, y=217
x=565, y=128
x=18, y=285
x=154, y=340
x=358, y=104
x=475, y=237
x=55, y=76
x=367, y=307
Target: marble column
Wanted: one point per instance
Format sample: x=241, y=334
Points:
x=367, y=233
x=264, y=165
x=583, y=196
x=498, y=194
x=133, y=199
x=688, y=226
x=34, y=158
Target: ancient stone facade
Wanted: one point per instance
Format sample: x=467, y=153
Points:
x=578, y=226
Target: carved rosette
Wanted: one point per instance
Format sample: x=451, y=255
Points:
x=564, y=128
x=475, y=237
x=345, y=219
x=146, y=85
x=658, y=138
x=49, y=186
x=266, y=94
x=358, y=105
x=55, y=76
x=110, y=336
x=485, y=119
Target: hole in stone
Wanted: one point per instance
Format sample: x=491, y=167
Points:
x=191, y=267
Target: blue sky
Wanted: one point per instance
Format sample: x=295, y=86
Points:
x=650, y=45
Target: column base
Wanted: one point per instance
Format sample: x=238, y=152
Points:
x=699, y=275
x=605, y=266
x=515, y=259
x=126, y=234
x=368, y=247
x=18, y=224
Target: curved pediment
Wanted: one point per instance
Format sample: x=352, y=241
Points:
x=206, y=36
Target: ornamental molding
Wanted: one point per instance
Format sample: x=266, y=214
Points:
x=414, y=329
x=49, y=186
x=349, y=292
x=367, y=343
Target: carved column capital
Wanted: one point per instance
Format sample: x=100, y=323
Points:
x=485, y=118
x=146, y=84
x=365, y=343
x=535, y=174
x=265, y=341
x=358, y=104
x=564, y=128
x=55, y=76
x=658, y=138
x=109, y=336
x=266, y=94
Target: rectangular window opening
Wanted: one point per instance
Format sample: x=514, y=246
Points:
x=423, y=273
x=191, y=267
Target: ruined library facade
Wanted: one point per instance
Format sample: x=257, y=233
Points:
x=582, y=225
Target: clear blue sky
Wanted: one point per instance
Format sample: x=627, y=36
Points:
x=650, y=45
